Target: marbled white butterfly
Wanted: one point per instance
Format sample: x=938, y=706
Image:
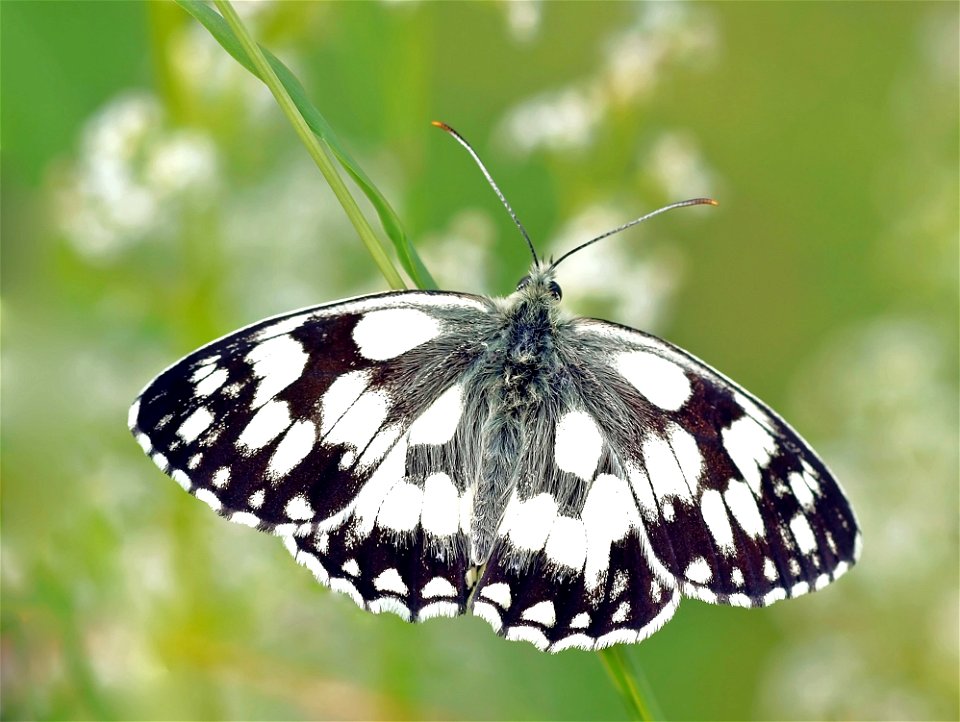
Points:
x=434, y=453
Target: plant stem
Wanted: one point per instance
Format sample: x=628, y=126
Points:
x=633, y=686
x=314, y=147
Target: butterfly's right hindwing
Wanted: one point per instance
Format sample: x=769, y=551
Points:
x=334, y=427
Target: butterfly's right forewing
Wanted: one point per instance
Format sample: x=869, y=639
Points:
x=339, y=428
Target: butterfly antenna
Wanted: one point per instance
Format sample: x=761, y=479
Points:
x=486, y=174
x=641, y=219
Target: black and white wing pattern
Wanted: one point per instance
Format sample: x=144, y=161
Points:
x=337, y=428
x=431, y=454
x=651, y=477
x=737, y=508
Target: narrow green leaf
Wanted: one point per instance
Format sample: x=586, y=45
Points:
x=222, y=33
x=632, y=685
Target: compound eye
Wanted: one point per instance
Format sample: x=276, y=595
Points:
x=523, y=283
x=555, y=291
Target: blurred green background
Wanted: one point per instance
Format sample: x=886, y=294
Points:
x=154, y=198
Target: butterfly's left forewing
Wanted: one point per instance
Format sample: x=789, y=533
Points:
x=735, y=505
x=338, y=428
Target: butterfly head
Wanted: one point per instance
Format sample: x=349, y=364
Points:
x=540, y=285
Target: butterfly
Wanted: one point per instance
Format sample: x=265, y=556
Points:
x=433, y=454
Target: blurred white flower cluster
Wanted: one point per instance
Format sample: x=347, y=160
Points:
x=663, y=34
x=132, y=173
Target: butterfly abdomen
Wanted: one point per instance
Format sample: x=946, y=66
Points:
x=519, y=372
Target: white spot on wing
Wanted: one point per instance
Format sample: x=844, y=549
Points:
x=578, y=444
x=656, y=589
x=380, y=445
x=351, y=567
x=283, y=327
x=221, y=477
x=438, y=587
x=400, y=510
x=182, y=479
x=643, y=492
x=440, y=505
x=617, y=636
x=387, y=333
x=620, y=583
x=736, y=576
x=744, y=508
x=541, y=613
x=345, y=586
x=277, y=362
x=800, y=489
x=390, y=604
x=341, y=395
x=195, y=424
x=529, y=522
x=528, y=634
x=209, y=498
x=750, y=446
x=608, y=515
x=161, y=461
x=298, y=508
x=373, y=493
x=567, y=543
x=439, y=609
x=769, y=569
x=255, y=500
x=360, y=423
x=664, y=471
x=662, y=382
x=718, y=522
x=438, y=423
x=574, y=641
x=698, y=571
x=292, y=449
x=623, y=611
x=802, y=532
x=839, y=570
x=245, y=518
x=688, y=455
x=205, y=369
x=389, y=580
x=211, y=383
x=144, y=441
x=267, y=424
x=499, y=593
x=489, y=614
x=581, y=621
x=774, y=595
x=133, y=415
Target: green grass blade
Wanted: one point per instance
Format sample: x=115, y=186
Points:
x=221, y=31
x=632, y=686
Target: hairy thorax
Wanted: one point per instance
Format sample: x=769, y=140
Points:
x=523, y=365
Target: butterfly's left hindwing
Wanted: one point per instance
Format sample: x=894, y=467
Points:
x=303, y=425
